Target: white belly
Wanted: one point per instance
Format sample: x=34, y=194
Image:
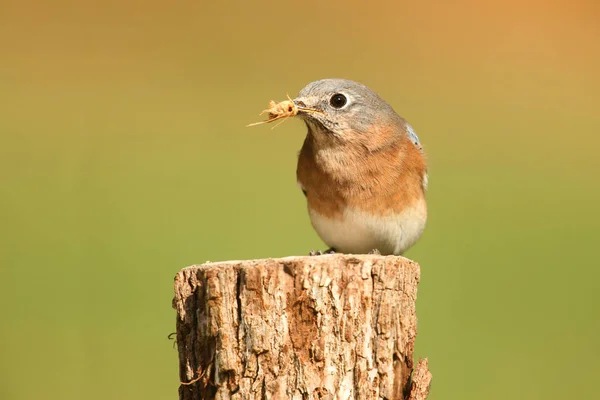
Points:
x=358, y=232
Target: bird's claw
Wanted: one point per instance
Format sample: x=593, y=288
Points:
x=375, y=251
x=320, y=253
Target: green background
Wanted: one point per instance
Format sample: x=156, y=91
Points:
x=124, y=157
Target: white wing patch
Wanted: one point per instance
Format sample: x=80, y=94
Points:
x=412, y=135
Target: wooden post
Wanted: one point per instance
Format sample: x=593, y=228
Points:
x=315, y=327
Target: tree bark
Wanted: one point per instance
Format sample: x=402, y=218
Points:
x=315, y=327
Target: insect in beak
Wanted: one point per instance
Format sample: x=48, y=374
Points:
x=283, y=110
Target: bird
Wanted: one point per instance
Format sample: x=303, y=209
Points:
x=362, y=169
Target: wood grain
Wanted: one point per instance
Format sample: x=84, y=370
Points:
x=322, y=327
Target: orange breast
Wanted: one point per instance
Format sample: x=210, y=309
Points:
x=348, y=175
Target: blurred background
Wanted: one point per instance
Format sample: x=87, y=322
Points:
x=124, y=157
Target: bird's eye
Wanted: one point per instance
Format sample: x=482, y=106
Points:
x=338, y=100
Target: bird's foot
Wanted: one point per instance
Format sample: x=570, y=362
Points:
x=320, y=253
x=375, y=251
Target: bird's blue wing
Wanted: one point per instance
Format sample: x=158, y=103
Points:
x=412, y=135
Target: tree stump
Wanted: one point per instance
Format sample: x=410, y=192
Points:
x=315, y=327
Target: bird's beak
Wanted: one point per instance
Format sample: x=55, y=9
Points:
x=304, y=109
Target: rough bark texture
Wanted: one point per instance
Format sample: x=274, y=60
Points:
x=321, y=327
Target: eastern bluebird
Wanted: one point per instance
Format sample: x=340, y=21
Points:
x=361, y=168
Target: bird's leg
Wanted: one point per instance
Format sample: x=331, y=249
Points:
x=330, y=250
x=375, y=251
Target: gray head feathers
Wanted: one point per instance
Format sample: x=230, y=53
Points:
x=346, y=106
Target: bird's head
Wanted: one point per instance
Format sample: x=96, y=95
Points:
x=341, y=111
